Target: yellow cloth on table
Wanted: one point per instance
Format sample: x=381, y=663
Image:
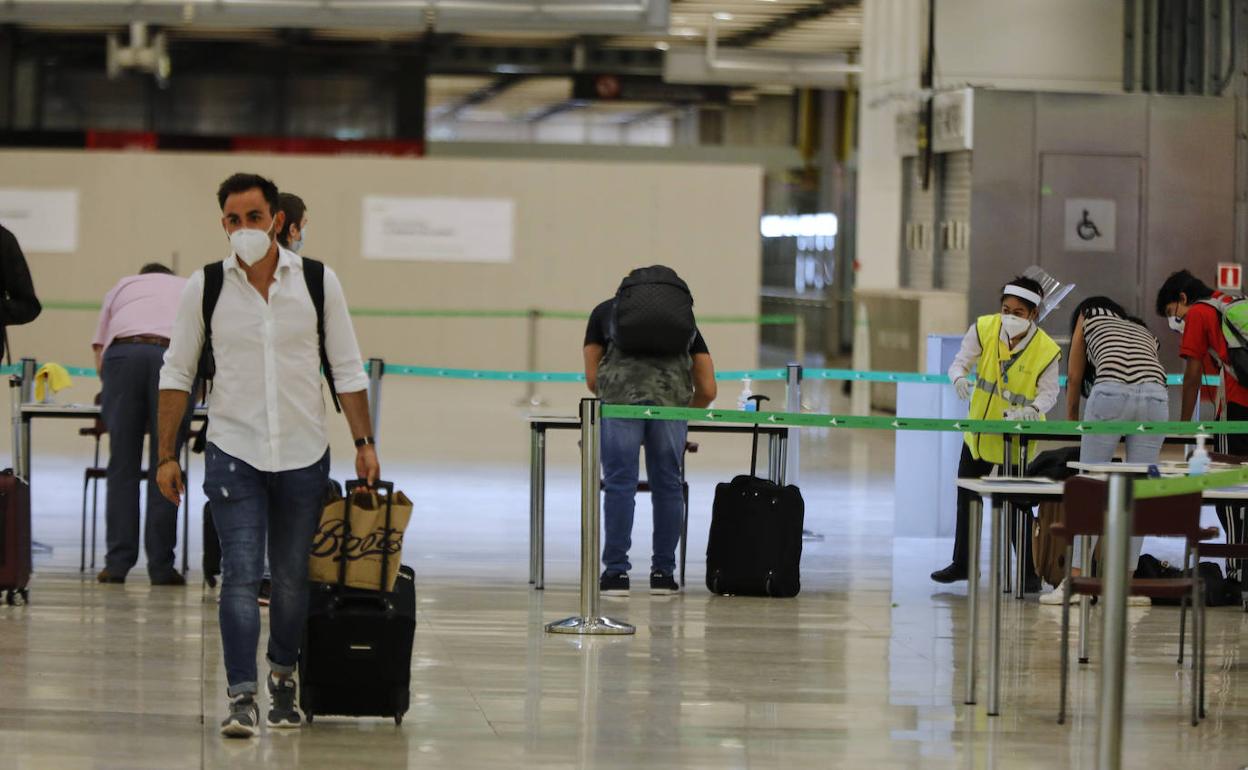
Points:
x=51, y=376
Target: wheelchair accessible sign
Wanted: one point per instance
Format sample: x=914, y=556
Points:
x=1091, y=224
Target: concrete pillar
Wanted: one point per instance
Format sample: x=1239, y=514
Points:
x=1057, y=45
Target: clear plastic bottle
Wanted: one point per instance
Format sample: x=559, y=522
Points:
x=1198, y=463
x=743, y=401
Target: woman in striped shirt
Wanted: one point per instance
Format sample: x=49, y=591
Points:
x=1113, y=361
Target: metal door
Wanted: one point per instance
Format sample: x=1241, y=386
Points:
x=1090, y=229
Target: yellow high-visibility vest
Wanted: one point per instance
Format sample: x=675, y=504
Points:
x=1004, y=382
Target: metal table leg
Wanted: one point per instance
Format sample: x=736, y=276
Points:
x=994, y=617
x=537, y=508
x=533, y=484
x=1085, y=601
x=1020, y=546
x=972, y=596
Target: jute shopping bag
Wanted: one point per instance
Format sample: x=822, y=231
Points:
x=354, y=528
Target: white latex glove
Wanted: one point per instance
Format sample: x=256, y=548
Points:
x=964, y=388
x=1026, y=414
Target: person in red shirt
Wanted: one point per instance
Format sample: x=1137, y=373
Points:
x=1185, y=301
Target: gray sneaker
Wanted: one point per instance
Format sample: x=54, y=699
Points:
x=244, y=718
x=283, y=711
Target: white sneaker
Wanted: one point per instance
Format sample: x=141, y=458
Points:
x=1054, y=597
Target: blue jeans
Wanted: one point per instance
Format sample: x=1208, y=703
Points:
x=622, y=441
x=1146, y=402
x=247, y=506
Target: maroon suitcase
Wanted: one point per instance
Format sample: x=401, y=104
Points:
x=15, y=566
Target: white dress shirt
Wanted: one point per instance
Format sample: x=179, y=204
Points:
x=266, y=407
x=967, y=360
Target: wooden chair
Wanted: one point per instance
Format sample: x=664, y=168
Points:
x=1085, y=501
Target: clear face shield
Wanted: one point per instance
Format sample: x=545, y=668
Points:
x=1054, y=290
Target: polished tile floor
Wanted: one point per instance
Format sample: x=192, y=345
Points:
x=862, y=670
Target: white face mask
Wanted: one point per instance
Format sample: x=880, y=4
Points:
x=295, y=246
x=1014, y=326
x=250, y=246
x=1176, y=324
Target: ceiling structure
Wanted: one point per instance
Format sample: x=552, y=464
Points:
x=514, y=75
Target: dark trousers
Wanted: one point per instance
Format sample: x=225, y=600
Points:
x=970, y=468
x=1232, y=516
x=131, y=379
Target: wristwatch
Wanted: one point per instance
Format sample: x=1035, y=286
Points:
x=366, y=441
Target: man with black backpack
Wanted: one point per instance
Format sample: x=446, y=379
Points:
x=643, y=347
x=261, y=327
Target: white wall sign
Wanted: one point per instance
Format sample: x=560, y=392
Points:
x=44, y=221
x=1091, y=224
x=438, y=229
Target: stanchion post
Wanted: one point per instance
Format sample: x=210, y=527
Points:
x=531, y=396
x=376, y=370
x=793, y=403
x=589, y=621
x=1114, y=631
x=799, y=338
x=27, y=392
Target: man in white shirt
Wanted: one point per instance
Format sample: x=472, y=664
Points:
x=267, y=461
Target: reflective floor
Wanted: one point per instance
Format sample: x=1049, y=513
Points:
x=862, y=670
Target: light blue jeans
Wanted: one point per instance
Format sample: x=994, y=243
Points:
x=622, y=441
x=1145, y=402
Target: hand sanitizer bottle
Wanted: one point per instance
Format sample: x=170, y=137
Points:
x=743, y=401
x=1198, y=463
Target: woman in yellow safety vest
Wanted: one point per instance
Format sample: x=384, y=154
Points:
x=1016, y=378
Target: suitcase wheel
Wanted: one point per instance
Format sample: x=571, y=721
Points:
x=398, y=719
x=310, y=717
x=17, y=598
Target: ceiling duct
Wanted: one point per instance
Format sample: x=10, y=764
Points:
x=743, y=66
x=468, y=16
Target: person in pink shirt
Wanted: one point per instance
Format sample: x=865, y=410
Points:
x=136, y=322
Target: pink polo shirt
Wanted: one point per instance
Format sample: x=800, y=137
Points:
x=140, y=305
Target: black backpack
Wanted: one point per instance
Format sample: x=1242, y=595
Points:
x=214, y=280
x=653, y=313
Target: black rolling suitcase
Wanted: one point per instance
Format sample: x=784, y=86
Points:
x=15, y=558
x=357, y=645
x=755, y=545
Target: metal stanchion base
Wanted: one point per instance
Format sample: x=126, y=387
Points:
x=579, y=625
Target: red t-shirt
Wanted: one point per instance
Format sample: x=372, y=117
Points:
x=1202, y=333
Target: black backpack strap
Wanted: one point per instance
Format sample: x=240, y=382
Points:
x=214, y=280
x=314, y=276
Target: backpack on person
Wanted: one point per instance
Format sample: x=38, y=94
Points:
x=653, y=313
x=650, y=330
x=18, y=303
x=1234, y=316
x=214, y=280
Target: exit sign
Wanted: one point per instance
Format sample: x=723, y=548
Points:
x=1230, y=277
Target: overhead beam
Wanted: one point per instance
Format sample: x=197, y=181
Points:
x=484, y=94
x=786, y=22
x=444, y=54
x=550, y=111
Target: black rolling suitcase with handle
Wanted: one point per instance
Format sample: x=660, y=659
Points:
x=357, y=645
x=755, y=545
x=15, y=558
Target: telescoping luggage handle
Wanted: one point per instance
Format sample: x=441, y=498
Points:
x=758, y=400
x=385, y=492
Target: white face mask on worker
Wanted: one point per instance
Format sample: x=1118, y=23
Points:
x=1014, y=326
x=250, y=246
x=1176, y=324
